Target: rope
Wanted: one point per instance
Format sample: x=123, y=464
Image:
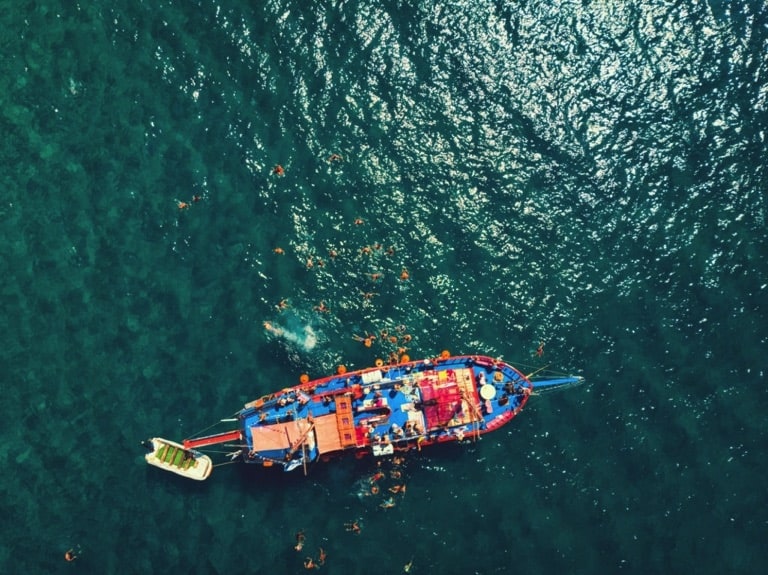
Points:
x=192, y=436
x=537, y=370
x=530, y=375
x=217, y=451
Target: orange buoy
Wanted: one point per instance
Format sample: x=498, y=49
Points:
x=405, y=358
x=341, y=370
x=379, y=362
x=445, y=354
x=304, y=378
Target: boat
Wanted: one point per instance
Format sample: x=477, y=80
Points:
x=379, y=411
x=174, y=457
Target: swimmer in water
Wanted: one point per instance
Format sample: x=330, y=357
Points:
x=300, y=538
x=354, y=527
x=376, y=476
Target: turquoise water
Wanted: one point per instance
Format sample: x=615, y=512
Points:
x=587, y=174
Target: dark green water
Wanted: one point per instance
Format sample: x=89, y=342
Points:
x=587, y=174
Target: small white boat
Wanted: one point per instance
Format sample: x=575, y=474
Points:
x=172, y=456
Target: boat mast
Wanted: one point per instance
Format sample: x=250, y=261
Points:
x=212, y=439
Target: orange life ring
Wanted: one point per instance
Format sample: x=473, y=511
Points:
x=445, y=354
x=304, y=378
x=341, y=370
x=379, y=362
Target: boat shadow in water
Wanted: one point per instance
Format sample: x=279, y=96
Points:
x=344, y=472
x=155, y=479
x=250, y=476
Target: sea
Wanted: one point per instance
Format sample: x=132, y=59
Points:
x=583, y=177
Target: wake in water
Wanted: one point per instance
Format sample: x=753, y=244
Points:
x=303, y=336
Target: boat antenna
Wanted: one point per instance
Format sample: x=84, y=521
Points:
x=475, y=414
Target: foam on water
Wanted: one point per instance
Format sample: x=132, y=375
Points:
x=303, y=336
